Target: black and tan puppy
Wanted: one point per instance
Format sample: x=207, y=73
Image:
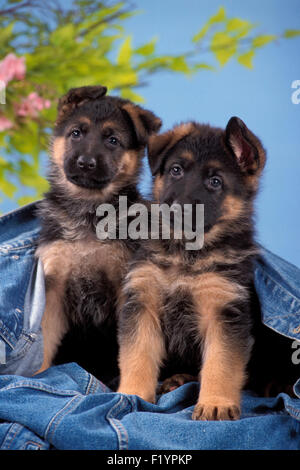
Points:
x=97, y=148
x=194, y=304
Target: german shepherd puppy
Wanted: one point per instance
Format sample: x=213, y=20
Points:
x=96, y=152
x=194, y=304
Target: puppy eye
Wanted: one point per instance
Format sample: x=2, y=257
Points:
x=176, y=171
x=113, y=140
x=215, y=182
x=76, y=133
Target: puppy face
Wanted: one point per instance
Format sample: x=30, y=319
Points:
x=198, y=164
x=99, y=141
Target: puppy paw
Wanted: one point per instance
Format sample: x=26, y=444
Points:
x=216, y=412
x=171, y=383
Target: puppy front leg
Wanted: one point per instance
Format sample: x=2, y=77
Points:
x=141, y=340
x=54, y=323
x=56, y=259
x=222, y=376
x=140, y=358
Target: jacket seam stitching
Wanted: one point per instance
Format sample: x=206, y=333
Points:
x=57, y=418
x=41, y=387
x=5, y=251
x=11, y=434
x=116, y=424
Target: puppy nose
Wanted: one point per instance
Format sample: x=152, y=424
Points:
x=86, y=163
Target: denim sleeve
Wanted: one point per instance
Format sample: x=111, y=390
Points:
x=22, y=294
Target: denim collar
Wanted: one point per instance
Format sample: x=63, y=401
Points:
x=277, y=284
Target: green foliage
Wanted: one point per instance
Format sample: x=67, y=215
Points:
x=88, y=44
x=234, y=38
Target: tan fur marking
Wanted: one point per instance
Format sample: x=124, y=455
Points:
x=214, y=234
x=222, y=373
x=222, y=378
x=141, y=356
x=158, y=186
x=212, y=292
x=145, y=276
x=233, y=208
x=182, y=130
x=228, y=257
x=129, y=164
x=58, y=150
x=109, y=124
x=54, y=325
x=140, y=360
x=187, y=156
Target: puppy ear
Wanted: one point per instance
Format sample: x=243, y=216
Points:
x=159, y=145
x=76, y=97
x=157, y=148
x=245, y=146
x=145, y=122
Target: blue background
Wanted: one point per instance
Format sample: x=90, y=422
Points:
x=261, y=97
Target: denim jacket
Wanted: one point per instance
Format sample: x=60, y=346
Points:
x=22, y=301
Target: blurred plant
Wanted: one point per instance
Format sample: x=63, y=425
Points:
x=47, y=48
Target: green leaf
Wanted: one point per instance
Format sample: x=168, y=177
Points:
x=147, y=49
x=263, y=40
x=291, y=33
x=29, y=176
x=125, y=52
x=246, y=59
x=200, y=35
x=240, y=28
x=22, y=201
x=7, y=187
x=217, y=18
x=6, y=35
x=62, y=35
x=179, y=64
x=224, y=47
x=5, y=165
x=203, y=66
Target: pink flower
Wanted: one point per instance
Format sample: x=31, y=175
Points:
x=32, y=105
x=5, y=124
x=12, y=67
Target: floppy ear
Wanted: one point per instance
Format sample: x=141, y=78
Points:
x=76, y=97
x=145, y=122
x=159, y=145
x=245, y=146
x=157, y=148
